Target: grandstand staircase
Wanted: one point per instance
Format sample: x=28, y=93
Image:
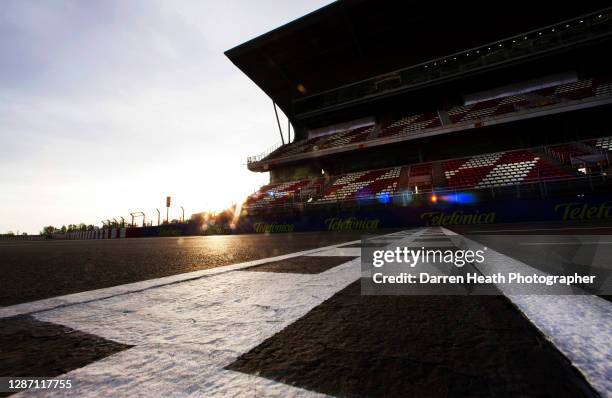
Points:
x=437, y=175
x=374, y=133
x=541, y=152
x=313, y=190
x=586, y=148
x=444, y=118
x=595, y=156
x=327, y=183
x=404, y=179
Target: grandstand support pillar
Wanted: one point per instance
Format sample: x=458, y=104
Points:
x=280, y=130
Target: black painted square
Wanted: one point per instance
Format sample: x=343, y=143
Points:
x=414, y=346
x=29, y=347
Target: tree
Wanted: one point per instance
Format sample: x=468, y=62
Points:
x=48, y=230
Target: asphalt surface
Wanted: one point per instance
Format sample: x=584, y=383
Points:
x=37, y=270
x=350, y=345
x=415, y=346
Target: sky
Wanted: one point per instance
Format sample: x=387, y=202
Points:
x=107, y=107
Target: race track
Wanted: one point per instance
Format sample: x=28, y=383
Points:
x=296, y=324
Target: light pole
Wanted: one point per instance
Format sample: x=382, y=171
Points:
x=168, y=203
x=158, y=216
x=183, y=212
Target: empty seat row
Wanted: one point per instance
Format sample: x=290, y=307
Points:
x=362, y=184
x=417, y=123
x=499, y=169
x=410, y=124
x=274, y=194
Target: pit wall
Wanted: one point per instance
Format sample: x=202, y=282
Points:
x=567, y=209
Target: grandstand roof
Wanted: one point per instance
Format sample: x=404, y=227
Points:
x=351, y=40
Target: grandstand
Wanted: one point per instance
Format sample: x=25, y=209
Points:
x=388, y=125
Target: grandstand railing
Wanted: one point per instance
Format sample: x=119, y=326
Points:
x=546, y=39
x=540, y=188
x=257, y=158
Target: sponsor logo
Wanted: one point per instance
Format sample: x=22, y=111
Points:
x=351, y=224
x=217, y=230
x=583, y=211
x=436, y=218
x=169, y=232
x=261, y=228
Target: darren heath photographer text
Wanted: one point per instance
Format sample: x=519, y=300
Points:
x=459, y=258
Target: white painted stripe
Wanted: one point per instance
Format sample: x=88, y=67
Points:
x=185, y=334
x=338, y=251
x=99, y=294
x=579, y=326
